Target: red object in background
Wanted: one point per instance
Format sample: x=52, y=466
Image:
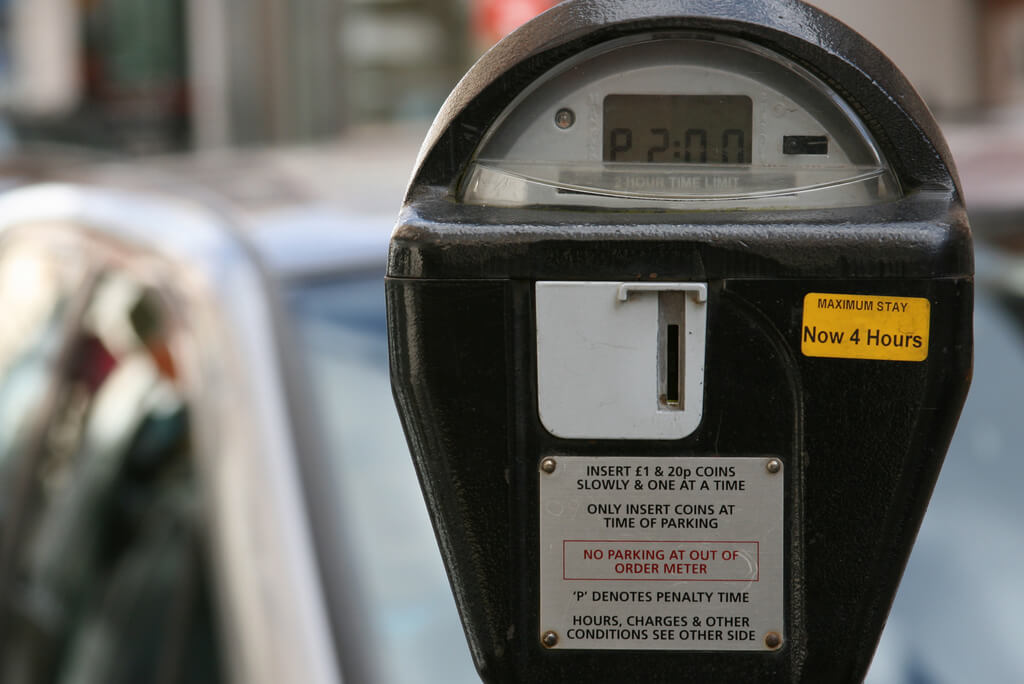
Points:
x=495, y=19
x=92, y=362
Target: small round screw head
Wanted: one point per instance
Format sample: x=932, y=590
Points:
x=565, y=118
x=549, y=639
x=773, y=640
x=773, y=466
x=548, y=465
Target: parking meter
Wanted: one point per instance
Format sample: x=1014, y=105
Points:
x=679, y=306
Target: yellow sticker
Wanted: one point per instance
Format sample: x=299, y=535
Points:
x=841, y=326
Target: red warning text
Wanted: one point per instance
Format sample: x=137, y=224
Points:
x=668, y=561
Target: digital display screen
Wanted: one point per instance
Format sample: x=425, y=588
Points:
x=678, y=129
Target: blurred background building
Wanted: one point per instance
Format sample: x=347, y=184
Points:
x=156, y=75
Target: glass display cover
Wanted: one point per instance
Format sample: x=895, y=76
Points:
x=690, y=121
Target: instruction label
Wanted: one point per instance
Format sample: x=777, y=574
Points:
x=662, y=553
x=841, y=326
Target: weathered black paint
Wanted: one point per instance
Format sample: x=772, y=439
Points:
x=863, y=441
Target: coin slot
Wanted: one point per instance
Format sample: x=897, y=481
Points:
x=620, y=360
x=672, y=366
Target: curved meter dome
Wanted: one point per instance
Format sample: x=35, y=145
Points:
x=679, y=122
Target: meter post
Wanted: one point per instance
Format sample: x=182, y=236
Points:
x=679, y=308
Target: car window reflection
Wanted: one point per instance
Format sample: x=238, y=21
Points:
x=341, y=326
x=104, y=576
x=37, y=288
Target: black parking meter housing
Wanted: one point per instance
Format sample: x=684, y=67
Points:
x=858, y=440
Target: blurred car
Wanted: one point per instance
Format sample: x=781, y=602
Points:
x=203, y=477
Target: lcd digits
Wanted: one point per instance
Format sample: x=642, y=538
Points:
x=680, y=129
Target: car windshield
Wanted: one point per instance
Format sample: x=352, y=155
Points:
x=340, y=325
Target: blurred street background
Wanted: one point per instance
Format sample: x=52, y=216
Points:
x=148, y=76
x=331, y=98
x=83, y=81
